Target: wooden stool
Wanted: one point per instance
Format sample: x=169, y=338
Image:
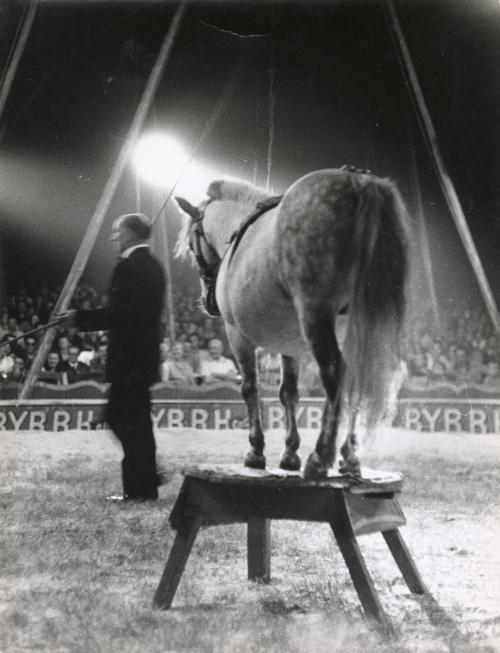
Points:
x=227, y=494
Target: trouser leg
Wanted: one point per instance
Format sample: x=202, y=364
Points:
x=130, y=418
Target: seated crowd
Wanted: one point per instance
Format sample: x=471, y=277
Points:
x=460, y=347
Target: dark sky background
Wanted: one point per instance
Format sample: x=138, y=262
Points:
x=340, y=97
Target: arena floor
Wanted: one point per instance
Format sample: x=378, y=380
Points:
x=80, y=574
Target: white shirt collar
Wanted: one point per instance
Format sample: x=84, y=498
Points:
x=127, y=252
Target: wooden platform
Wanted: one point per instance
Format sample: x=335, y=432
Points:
x=225, y=494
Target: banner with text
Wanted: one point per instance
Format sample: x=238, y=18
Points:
x=441, y=408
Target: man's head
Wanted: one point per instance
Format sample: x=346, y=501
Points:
x=52, y=360
x=102, y=353
x=30, y=344
x=130, y=229
x=12, y=324
x=73, y=354
x=63, y=343
x=215, y=348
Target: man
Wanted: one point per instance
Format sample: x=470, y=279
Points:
x=72, y=369
x=217, y=367
x=30, y=350
x=98, y=363
x=133, y=321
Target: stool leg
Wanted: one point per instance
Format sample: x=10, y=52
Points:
x=360, y=576
x=404, y=561
x=176, y=562
x=259, y=549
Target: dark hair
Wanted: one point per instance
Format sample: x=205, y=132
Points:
x=138, y=223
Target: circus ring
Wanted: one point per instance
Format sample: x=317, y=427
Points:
x=70, y=557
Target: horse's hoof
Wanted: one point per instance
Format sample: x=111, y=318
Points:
x=351, y=468
x=255, y=461
x=291, y=462
x=314, y=468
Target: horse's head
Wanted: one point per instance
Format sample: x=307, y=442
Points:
x=194, y=239
x=207, y=232
x=211, y=224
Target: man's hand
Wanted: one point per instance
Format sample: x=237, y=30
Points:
x=67, y=319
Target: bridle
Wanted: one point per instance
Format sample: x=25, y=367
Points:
x=208, y=267
x=198, y=241
x=207, y=260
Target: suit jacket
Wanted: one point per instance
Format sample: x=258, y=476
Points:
x=132, y=319
x=74, y=374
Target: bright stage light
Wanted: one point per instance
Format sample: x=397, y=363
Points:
x=161, y=160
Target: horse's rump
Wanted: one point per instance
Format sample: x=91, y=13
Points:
x=343, y=242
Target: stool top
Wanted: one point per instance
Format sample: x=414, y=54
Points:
x=373, y=481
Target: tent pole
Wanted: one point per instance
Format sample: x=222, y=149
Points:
x=18, y=53
x=442, y=173
x=424, y=239
x=97, y=219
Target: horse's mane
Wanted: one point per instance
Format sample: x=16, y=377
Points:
x=226, y=189
x=236, y=190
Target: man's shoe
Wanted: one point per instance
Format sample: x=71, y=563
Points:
x=122, y=498
x=117, y=498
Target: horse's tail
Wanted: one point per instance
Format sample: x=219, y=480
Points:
x=378, y=299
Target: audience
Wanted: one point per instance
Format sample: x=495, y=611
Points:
x=460, y=348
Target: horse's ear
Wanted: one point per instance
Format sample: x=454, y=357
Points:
x=188, y=208
x=215, y=190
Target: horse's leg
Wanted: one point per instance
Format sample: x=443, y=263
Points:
x=289, y=397
x=244, y=351
x=318, y=324
x=350, y=464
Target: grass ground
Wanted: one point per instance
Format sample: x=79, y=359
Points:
x=79, y=574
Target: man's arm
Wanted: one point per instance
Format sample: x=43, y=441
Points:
x=86, y=320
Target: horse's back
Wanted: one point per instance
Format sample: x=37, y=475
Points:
x=250, y=294
x=314, y=231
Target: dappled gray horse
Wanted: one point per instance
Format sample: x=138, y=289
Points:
x=336, y=243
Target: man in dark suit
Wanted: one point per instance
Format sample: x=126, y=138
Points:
x=133, y=360
x=72, y=369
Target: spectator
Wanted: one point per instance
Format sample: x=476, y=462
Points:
x=165, y=348
x=417, y=366
x=72, y=369
x=13, y=330
x=177, y=369
x=6, y=359
x=492, y=375
x=98, y=363
x=30, y=346
x=438, y=373
x=309, y=376
x=62, y=348
x=217, y=367
x=50, y=373
x=475, y=370
x=18, y=373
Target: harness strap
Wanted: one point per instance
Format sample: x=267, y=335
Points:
x=209, y=272
x=260, y=209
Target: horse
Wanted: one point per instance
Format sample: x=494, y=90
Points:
x=334, y=246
